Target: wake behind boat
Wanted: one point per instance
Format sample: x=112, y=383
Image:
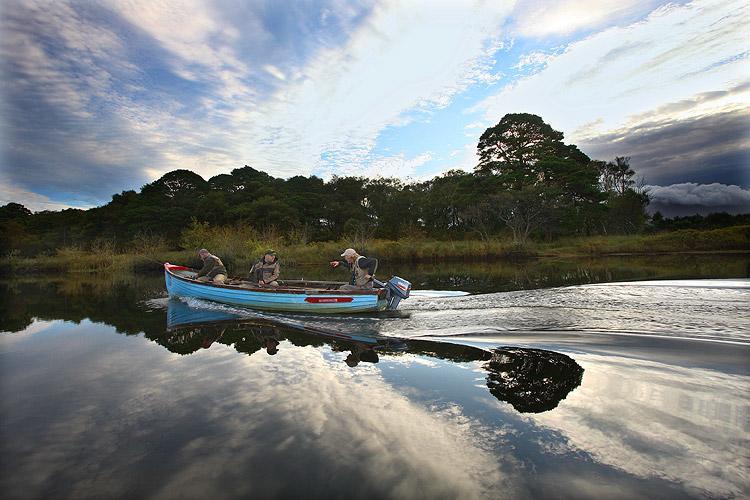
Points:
x=290, y=295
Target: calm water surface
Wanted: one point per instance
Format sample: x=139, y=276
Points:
x=636, y=390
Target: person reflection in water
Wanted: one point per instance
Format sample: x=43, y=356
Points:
x=209, y=339
x=190, y=340
x=361, y=352
x=268, y=336
x=272, y=346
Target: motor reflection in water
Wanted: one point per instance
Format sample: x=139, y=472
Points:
x=531, y=380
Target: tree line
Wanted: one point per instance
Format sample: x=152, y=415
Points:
x=528, y=184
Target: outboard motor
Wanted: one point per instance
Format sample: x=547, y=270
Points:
x=397, y=289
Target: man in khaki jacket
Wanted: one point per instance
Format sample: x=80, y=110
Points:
x=266, y=271
x=362, y=269
x=213, y=269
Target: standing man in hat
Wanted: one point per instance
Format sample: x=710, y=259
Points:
x=362, y=269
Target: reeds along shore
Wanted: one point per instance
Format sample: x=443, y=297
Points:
x=239, y=251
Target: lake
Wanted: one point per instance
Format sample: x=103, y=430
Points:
x=623, y=377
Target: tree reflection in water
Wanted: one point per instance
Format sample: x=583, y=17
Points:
x=531, y=380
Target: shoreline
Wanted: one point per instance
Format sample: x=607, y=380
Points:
x=239, y=255
x=90, y=263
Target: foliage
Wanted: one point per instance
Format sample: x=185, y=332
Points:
x=515, y=147
x=521, y=210
x=538, y=182
x=528, y=186
x=735, y=238
x=148, y=242
x=710, y=221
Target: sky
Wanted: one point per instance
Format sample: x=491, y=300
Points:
x=101, y=97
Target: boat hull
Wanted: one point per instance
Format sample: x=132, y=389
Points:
x=310, y=300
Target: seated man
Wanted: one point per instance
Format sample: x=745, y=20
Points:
x=213, y=269
x=266, y=271
x=362, y=269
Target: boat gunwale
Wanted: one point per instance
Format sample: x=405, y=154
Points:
x=278, y=290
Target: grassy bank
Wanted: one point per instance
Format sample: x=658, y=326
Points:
x=239, y=251
x=728, y=239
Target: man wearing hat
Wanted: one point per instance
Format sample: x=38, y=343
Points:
x=266, y=271
x=362, y=269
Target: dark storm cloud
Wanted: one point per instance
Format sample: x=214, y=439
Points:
x=689, y=198
x=704, y=149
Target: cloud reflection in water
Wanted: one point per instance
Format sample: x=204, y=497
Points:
x=299, y=423
x=93, y=413
x=652, y=419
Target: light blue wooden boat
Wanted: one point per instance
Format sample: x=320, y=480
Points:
x=291, y=295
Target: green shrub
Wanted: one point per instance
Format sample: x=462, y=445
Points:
x=239, y=247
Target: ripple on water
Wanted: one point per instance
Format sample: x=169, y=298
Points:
x=702, y=309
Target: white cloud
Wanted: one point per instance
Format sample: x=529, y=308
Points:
x=475, y=125
x=397, y=166
x=598, y=82
x=690, y=193
x=554, y=17
x=203, y=49
x=325, y=112
x=408, y=56
x=274, y=71
x=82, y=45
x=322, y=117
x=534, y=60
x=110, y=122
x=201, y=43
x=85, y=126
x=467, y=160
x=33, y=201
